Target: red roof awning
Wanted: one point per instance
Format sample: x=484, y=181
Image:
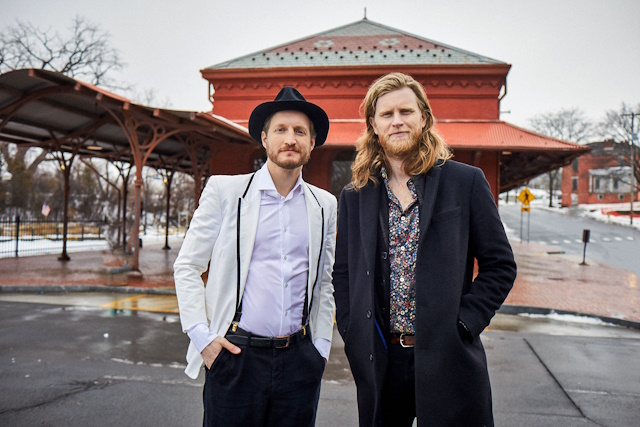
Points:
x=467, y=135
x=499, y=135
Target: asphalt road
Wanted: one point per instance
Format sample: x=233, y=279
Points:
x=612, y=244
x=75, y=360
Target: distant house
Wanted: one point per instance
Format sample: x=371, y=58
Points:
x=601, y=176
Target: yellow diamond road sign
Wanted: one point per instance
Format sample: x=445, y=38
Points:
x=526, y=196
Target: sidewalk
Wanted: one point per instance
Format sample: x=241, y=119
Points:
x=545, y=281
x=571, y=375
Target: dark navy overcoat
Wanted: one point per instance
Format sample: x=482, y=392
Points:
x=459, y=222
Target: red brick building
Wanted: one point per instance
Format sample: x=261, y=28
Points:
x=601, y=176
x=335, y=68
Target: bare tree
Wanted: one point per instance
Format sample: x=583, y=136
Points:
x=620, y=125
x=569, y=124
x=85, y=53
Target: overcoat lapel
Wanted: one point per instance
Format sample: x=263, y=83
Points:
x=369, y=202
x=429, y=193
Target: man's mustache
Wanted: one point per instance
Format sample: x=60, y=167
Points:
x=290, y=148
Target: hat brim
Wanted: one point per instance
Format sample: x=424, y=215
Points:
x=263, y=111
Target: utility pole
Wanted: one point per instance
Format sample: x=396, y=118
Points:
x=632, y=157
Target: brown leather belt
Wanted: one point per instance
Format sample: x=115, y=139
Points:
x=404, y=340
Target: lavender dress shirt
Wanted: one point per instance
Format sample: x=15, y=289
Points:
x=273, y=297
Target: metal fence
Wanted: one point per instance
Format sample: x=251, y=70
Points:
x=29, y=237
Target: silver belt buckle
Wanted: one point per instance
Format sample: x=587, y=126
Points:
x=402, y=341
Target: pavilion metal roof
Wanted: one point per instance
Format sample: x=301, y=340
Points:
x=359, y=43
x=40, y=108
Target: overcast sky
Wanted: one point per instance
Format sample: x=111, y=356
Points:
x=564, y=53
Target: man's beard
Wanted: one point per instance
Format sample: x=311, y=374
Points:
x=289, y=163
x=402, y=148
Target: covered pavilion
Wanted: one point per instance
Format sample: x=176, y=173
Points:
x=69, y=118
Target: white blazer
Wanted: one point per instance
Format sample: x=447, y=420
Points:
x=212, y=237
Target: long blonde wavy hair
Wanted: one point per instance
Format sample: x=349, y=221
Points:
x=370, y=156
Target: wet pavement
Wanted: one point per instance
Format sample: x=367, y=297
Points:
x=546, y=280
x=568, y=369
x=95, y=359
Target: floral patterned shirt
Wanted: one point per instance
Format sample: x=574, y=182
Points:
x=404, y=232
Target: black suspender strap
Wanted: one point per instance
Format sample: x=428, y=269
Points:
x=236, y=317
x=307, y=306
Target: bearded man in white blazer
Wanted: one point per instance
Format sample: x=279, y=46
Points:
x=262, y=325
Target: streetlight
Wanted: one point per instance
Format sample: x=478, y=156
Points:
x=632, y=181
x=632, y=159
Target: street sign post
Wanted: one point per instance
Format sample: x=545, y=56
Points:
x=525, y=197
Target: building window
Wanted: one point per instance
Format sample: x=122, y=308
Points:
x=574, y=165
x=596, y=184
x=615, y=184
x=574, y=183
x=600, y=197
x=341, y=171
x=620, y=196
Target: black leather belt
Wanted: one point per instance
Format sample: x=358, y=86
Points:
x=244, y=338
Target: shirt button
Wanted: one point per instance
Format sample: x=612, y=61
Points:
x=384, y=255
x=284, y=257
x=402, y=279
x=286, y=313
x=286, y=285
x=368, y=314
x=371, y=357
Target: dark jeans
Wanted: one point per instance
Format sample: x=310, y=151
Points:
x=399, y=392
x=264, y=387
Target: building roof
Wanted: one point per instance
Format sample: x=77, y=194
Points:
x=359, y=43
x=524, y=154
x=499, y=135
x=469, y=135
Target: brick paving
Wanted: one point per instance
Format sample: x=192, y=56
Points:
x=559, y=282
x=544, y=280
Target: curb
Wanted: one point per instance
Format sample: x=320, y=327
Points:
x=85, y=288
x=523, y=309
x=505, y=309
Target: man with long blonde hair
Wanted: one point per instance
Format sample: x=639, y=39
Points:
x=411, y=225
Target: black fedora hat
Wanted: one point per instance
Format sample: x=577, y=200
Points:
x=289, y=99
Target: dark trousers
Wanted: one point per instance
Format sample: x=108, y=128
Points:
x=264, y=387
x=399, y=392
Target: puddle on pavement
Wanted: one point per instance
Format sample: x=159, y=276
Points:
x=116, y=304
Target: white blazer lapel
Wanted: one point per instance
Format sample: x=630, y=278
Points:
x=249, y=215
x=316, y=235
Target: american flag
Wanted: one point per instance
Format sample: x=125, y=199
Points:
x=45, y=209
